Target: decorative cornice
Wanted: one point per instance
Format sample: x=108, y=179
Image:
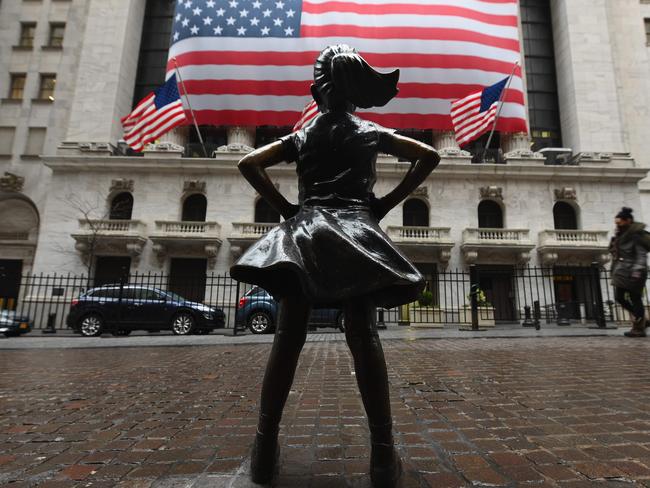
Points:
x=566, y=193
x=422, y=191
x=121, y=184
x=491, y=192
x=11, y=182
x=458, y=168
x=194, y=186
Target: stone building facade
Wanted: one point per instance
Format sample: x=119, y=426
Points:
x=72, y=199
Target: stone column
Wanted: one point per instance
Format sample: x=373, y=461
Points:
x=516, y=145
x=446, y=145
x=107, y=66
x=242, y=138
x=178, y=136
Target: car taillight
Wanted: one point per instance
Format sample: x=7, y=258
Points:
x=74, y=302
x=242, y=301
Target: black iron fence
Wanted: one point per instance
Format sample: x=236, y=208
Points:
x=478, y=297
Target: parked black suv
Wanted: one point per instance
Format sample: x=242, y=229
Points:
x=122, y=309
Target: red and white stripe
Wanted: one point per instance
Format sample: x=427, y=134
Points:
x=145, y=123
x=444, y=49
x=469, y=123
x=308, y=114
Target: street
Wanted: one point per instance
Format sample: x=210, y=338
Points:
x=543, y=412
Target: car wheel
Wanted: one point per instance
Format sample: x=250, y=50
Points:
x=121, y=332
x=340, y=322
x=12, y=334
x=183, y=323
x=260, y=322
x=91, y=325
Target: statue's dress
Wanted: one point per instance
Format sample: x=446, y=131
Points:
x=333, y=249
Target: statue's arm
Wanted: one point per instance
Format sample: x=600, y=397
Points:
x=253, y=167
x=424, y=160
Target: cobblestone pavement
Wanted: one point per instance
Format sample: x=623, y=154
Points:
x=544, y=412
x=66, y=339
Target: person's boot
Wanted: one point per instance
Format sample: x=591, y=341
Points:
x=638, y=328
x=264, y=455
x=385, y=464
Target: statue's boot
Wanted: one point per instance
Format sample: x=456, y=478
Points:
x=385, y=464
x=638, y=328
x=265, y=452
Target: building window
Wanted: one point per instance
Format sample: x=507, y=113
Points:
x=57, y=30
x=27, y=31
x=121, y=207
x=6, y=140
x=541, y=79
x=35, y=141
x=490, y=215
x=154, y=46
x=647, y=31
x=415, y=213
x=195, y=208
x=213, y=138
x=46, y=90
x=564, y=216
x=264, y=213
x=17, y=88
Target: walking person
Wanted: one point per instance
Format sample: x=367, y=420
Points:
x=330, y=249
x=629, y=249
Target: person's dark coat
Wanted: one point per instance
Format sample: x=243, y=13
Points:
x=629, y=264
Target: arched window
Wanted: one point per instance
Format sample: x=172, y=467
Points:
x=490, y=215
x=265, y=213
x=564, y=216
x=195, y=208
x=415, y=213
x=121, y=206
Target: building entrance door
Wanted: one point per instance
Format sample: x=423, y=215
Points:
x=497, y=284
x=10, y=274
x=112, y=270
x=187, y=277
x=574, y=291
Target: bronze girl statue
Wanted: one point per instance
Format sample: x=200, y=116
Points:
x=330, y=249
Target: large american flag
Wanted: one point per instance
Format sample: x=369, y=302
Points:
x=250, y=62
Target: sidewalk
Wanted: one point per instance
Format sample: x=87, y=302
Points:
x=66, y=339
x=561, y=412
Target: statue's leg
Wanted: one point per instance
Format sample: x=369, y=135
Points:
x=290, y=335
x=372, y=378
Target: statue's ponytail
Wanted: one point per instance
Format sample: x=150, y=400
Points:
x=342, y=76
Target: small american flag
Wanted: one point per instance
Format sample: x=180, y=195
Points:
x=157, y=113
x=308, y=114
x=474, y=115
x=250, y=62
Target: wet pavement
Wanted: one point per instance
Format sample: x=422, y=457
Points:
x=543, y=412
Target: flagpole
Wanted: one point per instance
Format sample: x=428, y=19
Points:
x=499, y=107
x=178, y=72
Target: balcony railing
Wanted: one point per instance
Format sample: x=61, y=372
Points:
x=187, y=228
x=496, y=236
x=247, y=230
x=573, y=239
x=417, y=234
x=112, y=227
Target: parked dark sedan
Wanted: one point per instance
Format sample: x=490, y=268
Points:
x=13, y=324
x=122, y=309
x=258, y=311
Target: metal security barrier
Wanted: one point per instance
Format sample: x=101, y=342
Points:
x=571, y=295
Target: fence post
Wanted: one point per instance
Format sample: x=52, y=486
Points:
x=50, y=328
x=473, y=293
x=598, y=302
x=528, y=321
x=234, y=318
x=537, y=313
